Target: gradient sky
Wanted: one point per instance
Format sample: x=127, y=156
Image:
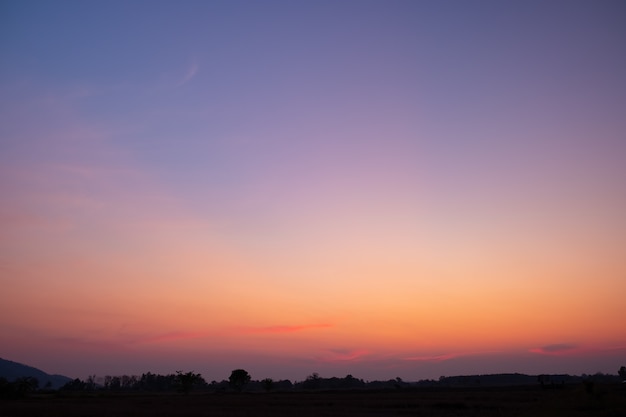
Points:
x=376, y=188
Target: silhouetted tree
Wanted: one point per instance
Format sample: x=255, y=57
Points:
x=113, y=383
x=351, y=382
x=622, y=372
x=26, y=385
x=74, y=385
x=268, y=384
x=91, y=383
x=312, y=381
x=20, y=388
x=238, y=379
x=128, y=381
x=283, y=384
x=186, y=381
x=156, y=382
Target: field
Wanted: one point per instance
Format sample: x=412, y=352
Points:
x=573, y=401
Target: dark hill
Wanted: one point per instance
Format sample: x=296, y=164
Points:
x=13, y=370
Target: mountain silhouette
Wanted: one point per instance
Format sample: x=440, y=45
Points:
x=13, y=370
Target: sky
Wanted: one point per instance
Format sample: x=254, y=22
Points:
x=378, y=188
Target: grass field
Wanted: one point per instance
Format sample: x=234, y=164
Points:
x=605, y=401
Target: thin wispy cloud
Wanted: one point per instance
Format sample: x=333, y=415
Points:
x=446, y=356
x=432, y=358
x=191, y=72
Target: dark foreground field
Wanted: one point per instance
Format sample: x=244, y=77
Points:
x=606, y=401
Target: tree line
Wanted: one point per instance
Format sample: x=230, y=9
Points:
x=185, y=382
x=240, y=380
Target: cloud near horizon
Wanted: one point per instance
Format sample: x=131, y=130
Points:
x=555, y=349
x=342, y=355
x=432, y=358
x=448, y=356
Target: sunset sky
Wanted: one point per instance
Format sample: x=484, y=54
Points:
x=377, y=188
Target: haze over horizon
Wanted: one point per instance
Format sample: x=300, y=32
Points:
x=377, y=188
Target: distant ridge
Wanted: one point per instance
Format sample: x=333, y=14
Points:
x=13, y=370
